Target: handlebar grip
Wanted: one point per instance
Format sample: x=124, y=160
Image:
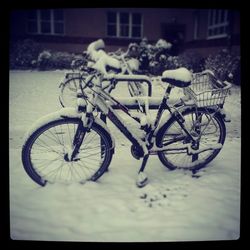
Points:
x=96, y=45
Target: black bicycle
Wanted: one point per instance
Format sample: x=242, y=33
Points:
x=76, y=145
x=82, y=68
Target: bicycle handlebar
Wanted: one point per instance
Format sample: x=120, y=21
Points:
x=102, y=59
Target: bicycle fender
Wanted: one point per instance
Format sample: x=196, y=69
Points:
x=64, y=113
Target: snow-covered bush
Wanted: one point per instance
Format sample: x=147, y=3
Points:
x=225, y=65
x=61, y=60
x=55, y=60
x=43, y=60
x=153, y=57
x=79, y=61
x=161, y=43
x=191, y=60
x=133, y=50
x=172, y=62
x=23, y=54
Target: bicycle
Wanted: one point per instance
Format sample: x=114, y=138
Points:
x=83, y=67
x=76, y=145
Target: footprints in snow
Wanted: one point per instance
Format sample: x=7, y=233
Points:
x=164, y=197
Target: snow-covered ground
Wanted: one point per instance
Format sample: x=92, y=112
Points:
x=174, y=206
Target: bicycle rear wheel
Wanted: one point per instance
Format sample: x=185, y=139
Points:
x=45, y=154
x=68, y=92
x=212, y=132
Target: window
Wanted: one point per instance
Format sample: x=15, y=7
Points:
x=45, y=21
x=136, y=25
x=217, y=23
x=32, y=21
x=124, y=24
x=196, y=25
x=112, y=21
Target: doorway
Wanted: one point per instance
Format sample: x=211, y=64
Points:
x=175, y=34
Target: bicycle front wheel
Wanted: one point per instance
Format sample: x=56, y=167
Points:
x=208, y=126
x=45, y=154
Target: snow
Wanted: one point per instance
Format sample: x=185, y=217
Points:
x=104, y=61
x=173, y=206
x=213, y=146
x=128, y=77
x=63, y=112
x=181, y=74
x=69, y=112
x=129, y=101
x=100, y=57
x=96, y=45
x=133, y=64
x=161, y=43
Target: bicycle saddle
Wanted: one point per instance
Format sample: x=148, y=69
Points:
x=178, y=77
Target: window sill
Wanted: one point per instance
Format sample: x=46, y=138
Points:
x=217, y=36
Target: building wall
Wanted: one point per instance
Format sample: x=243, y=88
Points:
x=85, y=22
x=91, y=22
x=83, y=26
x=202, y=25
x=204, y=46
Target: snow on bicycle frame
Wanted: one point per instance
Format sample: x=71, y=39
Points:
x=99, y=98
x=111, y=61
x=101, y=58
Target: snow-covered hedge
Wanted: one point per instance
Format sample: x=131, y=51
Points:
x=24, y=54
x=225, y=65
x=157, y=58
x=153, y=59
x=55, y=60
x=192, y=61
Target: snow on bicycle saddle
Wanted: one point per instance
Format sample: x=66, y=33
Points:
x=178, y=77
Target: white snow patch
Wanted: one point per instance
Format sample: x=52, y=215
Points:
x=104, y=61
x=181, y=74
x=161, y=43
x=174, y=206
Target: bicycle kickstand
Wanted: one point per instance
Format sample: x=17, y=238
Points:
x=142, y=178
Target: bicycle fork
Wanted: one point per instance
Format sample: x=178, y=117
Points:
x=76, y=144
x=77, y=140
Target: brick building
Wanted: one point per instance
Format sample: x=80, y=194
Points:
x=202, y=30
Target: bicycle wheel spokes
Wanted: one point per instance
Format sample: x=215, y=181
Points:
x=205, y=126
x=69, y=93
x=50, y=150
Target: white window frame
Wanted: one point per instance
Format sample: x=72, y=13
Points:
x=196, y=26
x=219, y=24
x=130, y=25
x=52, y=24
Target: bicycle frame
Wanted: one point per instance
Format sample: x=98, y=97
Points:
x=146, y=143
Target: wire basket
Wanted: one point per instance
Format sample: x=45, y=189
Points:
x=206, y=90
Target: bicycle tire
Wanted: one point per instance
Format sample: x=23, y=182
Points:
x=68, y=92
x=37, y=174
x=165, y=157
